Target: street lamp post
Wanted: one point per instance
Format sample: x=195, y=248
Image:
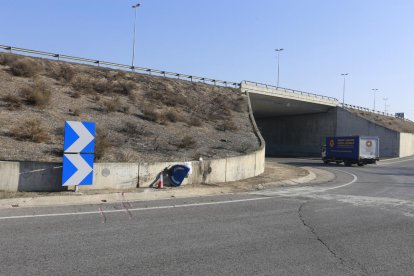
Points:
x=133, y=40
x=343, y=90
x=385, y=105
x=278, y=57
x=375, y=91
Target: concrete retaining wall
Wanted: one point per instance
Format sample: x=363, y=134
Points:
x=47, y=177
x=351, y=124
x=406, y=144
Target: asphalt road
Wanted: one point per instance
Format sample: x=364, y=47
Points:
x=361, y=223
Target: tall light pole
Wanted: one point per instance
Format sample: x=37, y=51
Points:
x=133, y=40
x=343, y=90
x=278, y=57
x=375, y=91
x=385, y=105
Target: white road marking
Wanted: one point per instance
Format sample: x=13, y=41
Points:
x=136, y=209
x=385, y=163
x=306, y=190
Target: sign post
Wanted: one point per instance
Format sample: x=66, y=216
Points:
x=78, y=153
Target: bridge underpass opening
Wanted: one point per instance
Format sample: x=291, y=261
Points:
x=293, y=127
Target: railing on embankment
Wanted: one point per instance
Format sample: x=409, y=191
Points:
x=95, y=62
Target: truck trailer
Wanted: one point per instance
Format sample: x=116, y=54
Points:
x=350, y=150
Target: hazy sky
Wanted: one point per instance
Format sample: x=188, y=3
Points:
x=234, y=40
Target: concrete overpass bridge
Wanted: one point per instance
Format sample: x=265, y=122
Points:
x=295, y=123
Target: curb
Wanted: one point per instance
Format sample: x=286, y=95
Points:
x=147, y=194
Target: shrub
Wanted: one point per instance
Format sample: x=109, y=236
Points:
x=123, y=87
x=186, y=142
x=101, y=144
x=194, y=121
x=82, y=83
x=111, y=105
x=167, y=98
x=39, y=94
x=153, y=115
x=31, y=130
x=227, y=125
x=13, y=101
x=66, y=73
x=7, y=59
x=24, y=68
x=101, y=85
x=172, y=116
x=75, y=95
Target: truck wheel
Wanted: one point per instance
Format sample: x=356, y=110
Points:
x=348, y=163
x=325, y=162
x=360, y=164
x=338, y=162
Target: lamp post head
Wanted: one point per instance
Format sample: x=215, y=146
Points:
x=278, y=50
x=345, y=74
x=136, y=6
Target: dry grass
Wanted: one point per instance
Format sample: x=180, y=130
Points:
x=194, y=121
x=227, y=125
x=186, y=142
x=153, y=115
x=102, y=144
x=13, y=102
x=24, y=68
x=30, y=130
x=38, y=94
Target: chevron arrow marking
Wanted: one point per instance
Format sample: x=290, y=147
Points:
x=85, y=137
x=83, y=169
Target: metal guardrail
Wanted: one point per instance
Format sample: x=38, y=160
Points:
x=122, y=66
x=291, y=91
x=374, y=111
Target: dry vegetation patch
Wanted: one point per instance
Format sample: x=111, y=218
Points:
x=146, y=118
x=30, y=130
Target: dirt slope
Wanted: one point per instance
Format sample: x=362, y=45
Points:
x=385, y=121
x=140, y=118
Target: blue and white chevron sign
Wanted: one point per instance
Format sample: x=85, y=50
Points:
x=77, y=169
x=79, y=137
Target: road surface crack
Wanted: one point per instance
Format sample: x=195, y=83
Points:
x=331, y=251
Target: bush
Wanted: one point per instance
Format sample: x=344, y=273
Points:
x=75, y=95
x=39, y=94
x=227, y=125
x=31, y=130
x=82, y=83
x=153, y=115
x=13, y=101
x=24, y=68
x=111, y=105
x=101, y=144
x=186, y=142
x=194, y=121
x=122, y=87
x=7, y=59
x=60, y=71
x=167, y=98
x=173, y=116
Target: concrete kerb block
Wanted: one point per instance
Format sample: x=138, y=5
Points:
x=114, y=176
x=9, y=176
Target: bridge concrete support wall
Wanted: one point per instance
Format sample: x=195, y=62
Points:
x=300, y=135
x=351, y=124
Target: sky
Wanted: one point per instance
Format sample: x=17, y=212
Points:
x=235, y=40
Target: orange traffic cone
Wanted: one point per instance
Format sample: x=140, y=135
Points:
x=161, y=182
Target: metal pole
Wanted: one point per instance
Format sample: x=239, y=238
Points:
x=375, y=90
x=278, y=67
x=343, y=90
x=385, y=105
x=133, y=40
